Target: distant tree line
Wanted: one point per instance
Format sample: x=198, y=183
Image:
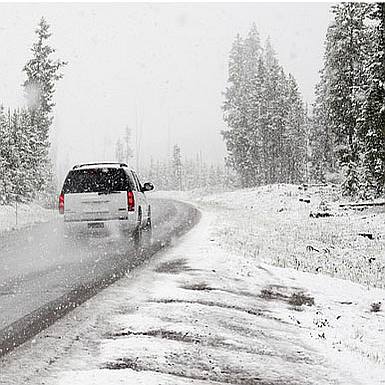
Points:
x=187, y=174
x=266, y=135
x=25, y=167
x=348, y=127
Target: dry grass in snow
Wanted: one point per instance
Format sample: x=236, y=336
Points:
x=277, y=225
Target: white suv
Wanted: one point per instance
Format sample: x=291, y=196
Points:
x=104, y=196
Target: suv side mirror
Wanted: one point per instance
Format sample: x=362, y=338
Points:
x=148, y=187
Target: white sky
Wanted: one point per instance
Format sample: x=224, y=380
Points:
x=159, y=67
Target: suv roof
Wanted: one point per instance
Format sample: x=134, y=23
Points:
x=99, y=165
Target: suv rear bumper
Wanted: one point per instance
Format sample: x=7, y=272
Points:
x=108, y=226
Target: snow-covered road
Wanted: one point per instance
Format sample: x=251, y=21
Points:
x=199, y=314
x=42, y=276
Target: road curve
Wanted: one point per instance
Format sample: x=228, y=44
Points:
x=43, y=276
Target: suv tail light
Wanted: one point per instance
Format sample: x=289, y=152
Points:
x=61, y=204
x=130, y=201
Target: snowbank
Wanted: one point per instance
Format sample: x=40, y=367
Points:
x=27, y=214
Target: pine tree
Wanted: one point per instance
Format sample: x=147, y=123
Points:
x=322, y=141
x=4, y=157
x=294, y=148
x=343, y=83
x=42, y=74
x=263, y=111
x=372, y=128
x=235, y=114
x=254, y=72
x=272, y=127
x=241, y=108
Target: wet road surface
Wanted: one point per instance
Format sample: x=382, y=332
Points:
x=43, y=275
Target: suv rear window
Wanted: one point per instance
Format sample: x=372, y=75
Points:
x=96, y=180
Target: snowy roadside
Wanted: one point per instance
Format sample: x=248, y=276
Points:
x=279, y=224
x=27, y=215
x=273, y=225
x=202, y=314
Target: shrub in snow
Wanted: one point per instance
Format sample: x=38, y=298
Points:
x=375, y=307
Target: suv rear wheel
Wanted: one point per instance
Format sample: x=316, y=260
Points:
x=147, y=231
x=148, y=226
x=138, y=232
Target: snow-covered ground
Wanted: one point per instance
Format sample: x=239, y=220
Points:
x=213, y=309
x=27, y=214
x=275, y=224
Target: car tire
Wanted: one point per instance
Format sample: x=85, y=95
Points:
x=148, y=225
x=138, y=234
x=147, y=232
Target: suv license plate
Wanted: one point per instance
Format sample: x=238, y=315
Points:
x=96, y=225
